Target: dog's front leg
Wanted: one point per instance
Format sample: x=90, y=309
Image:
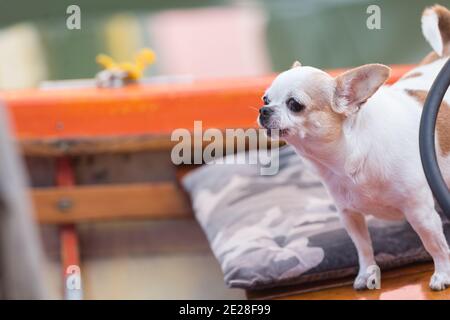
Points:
x=356, y=226
x=426, y=222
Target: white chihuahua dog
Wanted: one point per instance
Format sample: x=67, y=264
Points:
x=362, y=138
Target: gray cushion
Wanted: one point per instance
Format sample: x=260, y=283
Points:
x=276, y=230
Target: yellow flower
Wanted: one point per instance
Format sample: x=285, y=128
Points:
x=134, y=71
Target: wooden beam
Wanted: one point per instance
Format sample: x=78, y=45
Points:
x=140, y=109
x=128, y=201
x=114, y=144
x=51, y=147
x=403, y=283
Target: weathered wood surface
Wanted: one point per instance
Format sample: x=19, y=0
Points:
x=163, y=200
x=406, y=283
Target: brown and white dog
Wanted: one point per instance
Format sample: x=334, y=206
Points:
x=362, y=138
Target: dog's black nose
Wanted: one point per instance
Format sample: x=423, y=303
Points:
x=265, y=111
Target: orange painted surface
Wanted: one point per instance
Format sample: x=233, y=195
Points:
x=139, y=109
x=70, y=253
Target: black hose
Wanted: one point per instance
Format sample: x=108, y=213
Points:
x=427, y=139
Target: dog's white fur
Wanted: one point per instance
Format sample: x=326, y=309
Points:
x=362, y=138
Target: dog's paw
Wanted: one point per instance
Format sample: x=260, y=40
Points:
x=360, y=282
x=439, y=281
x=367, y=279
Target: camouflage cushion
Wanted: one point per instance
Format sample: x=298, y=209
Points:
x=276, y=230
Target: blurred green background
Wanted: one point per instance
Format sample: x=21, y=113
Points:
x=322, y=33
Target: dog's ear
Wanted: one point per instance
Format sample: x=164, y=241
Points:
x=355, y=86
x=436, y=29
x=296, y=64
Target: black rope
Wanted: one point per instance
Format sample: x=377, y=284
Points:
x=427, y=138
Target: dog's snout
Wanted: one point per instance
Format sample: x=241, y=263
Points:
x=265, y=111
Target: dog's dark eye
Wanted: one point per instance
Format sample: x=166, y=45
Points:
x=294, y=106
x=266, y=100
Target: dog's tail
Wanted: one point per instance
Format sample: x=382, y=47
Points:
x=436, y=29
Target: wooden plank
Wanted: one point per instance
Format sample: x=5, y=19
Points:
x=135, y=109
x=107, y=202
x=139, y=109
x=408, y=282
x=52, y=147
x=114, y=144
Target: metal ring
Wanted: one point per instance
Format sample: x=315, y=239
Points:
x=427, y=138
